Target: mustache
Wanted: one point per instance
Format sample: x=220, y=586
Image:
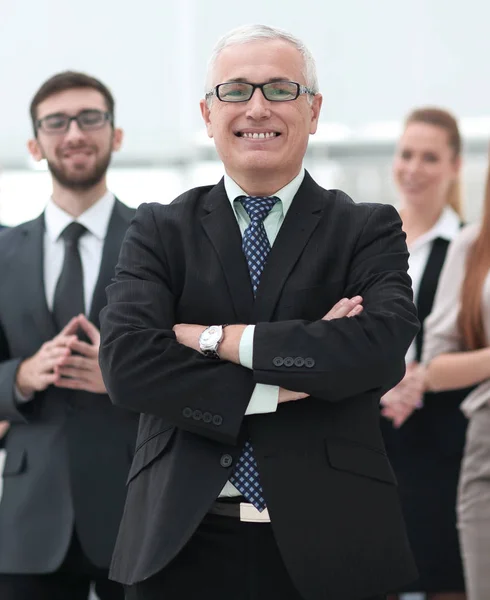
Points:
x=74, y=147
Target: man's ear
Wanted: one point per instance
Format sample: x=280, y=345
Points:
x=117, y=139
x=206, y=115
x=316, y=106
x=35, y=149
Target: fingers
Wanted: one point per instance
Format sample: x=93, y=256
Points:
x=76, y=362
x=357, y=310
x=73, y=373
x=90, y=329
x=343, y=308
x=60, y=341
x=47, y=379
x=83, y=348
x=290, y=396
x=70, y=328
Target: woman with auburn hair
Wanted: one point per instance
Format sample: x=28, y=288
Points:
x=457, y=355
x=424, y=432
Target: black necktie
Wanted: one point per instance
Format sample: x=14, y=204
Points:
x=68, y=296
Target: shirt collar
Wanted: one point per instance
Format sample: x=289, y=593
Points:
x=446, y=227
x=285, y=194
x=95, y=219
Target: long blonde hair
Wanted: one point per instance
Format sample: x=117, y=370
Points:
x=445, y=120
x=477, y=267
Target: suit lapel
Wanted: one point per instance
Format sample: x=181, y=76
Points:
x=301, y=221
x=118, y=224
x=31, y=271
x=221, y=227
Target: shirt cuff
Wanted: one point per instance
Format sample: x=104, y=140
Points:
x=246, y=347
x=21, y=399
x=264, y=399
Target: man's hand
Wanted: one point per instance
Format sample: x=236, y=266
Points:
x=4, y=427
x=82, y=371
x=188, y=334
x=37, y=372
x=347, y=307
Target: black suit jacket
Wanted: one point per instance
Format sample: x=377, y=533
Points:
x=329, y=487
x=68, y=452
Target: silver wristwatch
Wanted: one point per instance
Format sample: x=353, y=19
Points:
x=210, y=339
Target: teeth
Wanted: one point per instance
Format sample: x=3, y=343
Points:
x=259, y=136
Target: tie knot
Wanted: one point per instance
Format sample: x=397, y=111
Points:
x=258, y=207
x=73, y=232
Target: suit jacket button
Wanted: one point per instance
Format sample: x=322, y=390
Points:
x=309, y=362
x=217, y=420
x=288, y=361
x=299, y=361
x=207, y=417
x=226, y=460
x=197, y=415
x=187, y=412
x=278, y=361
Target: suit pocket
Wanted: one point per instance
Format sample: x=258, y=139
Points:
x=344, y=455
x=15, y=462
x=149, y=450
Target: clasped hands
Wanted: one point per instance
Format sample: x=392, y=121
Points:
x=188, y=335
x=401, y=401
x=65, y=362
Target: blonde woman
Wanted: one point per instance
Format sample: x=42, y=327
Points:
x=424, y=433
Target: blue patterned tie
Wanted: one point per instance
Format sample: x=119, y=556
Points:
x=256, y=247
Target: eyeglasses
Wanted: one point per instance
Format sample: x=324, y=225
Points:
x=274, y=91
x=87, y=120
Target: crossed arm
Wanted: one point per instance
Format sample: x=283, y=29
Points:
x=151, y=365
x=188, y=335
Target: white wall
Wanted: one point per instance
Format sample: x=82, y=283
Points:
x=376, y=59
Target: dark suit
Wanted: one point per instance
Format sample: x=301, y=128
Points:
x=68, y=452
x=328, y=484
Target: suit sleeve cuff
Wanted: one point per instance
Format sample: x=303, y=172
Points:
x=20, y=398
x=264, y=399
x=246, y=348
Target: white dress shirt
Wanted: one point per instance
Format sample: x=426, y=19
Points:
x=91, y=244
x=446, y=227
x=96, y=221
x=264, y=397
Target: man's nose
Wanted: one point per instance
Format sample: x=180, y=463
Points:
x=258, y=107
x=74, y=132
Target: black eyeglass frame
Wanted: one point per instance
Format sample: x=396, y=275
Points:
x=300, y=89
x=107, y=117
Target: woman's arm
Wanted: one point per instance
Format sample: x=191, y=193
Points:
x=458, y=370
x=449, y=365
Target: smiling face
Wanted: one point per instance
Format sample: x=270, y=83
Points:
x=425, y=165
x=261, y=140
x=78, y=160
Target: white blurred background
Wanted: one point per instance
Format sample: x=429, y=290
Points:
x=376, y=61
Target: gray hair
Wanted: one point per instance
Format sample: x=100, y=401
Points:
x=253, y=33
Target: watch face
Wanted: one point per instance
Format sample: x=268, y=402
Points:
x=211, y=336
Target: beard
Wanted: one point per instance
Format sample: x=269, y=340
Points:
x=83, y=181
